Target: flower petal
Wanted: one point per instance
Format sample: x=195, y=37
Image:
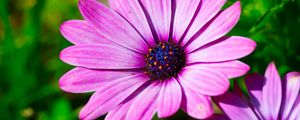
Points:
x=218, y=117
x=217, y=28
x=120, y=112
x=185, y=11
x=294, y=113
x=81, y=32
x=224, y=49
x=291, y=87
x=204, y=80
x=196, y=104
x=169, y=98
x=208, y=9
x=160, y=14
x=102, y=57
x=111, y=25
x=133, y=12
x=145, y=104
x=255, y=83
x=272, y=94
x=234, y=107
x=111, y=95
x=231, y=69
x=82, y=80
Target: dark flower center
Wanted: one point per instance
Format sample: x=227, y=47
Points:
x=164, y=61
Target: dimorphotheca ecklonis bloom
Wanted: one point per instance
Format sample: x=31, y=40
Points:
x=270, y=98
x=143, y=57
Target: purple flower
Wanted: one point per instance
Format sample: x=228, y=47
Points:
x=146, y=56
x=270, y=98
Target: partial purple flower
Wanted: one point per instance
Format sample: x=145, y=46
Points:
x=142, y=57
x=270, y=98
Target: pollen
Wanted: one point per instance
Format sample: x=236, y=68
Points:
x=164, y=61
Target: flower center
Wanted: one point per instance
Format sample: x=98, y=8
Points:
x=164, y=61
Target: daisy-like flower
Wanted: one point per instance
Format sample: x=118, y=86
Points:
x=142, y=57
x=270, y=98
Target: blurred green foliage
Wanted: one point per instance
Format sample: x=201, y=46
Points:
x=30, y=43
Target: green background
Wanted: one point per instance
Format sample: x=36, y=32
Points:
x=30, y=43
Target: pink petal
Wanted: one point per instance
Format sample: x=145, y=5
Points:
x=227, y=48
x=234, y=107
x=220, y=26
x=184, y=13
x=208, y=9
x=111, y=95
x=111, y=25
x=102, y=57
x=218, y=117
x=291, y=87
x=169, y=98
x=82, y=80
x=196, y=104
x=204, y=80
x=294, y=113
x=272, y=94
x=231, y=69
x=145, y=104
x=82, y=32
x=120, y=112
x=133, y=12
x=160, y=14
x=255, y=83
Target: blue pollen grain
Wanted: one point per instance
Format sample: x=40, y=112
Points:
x=164, y=61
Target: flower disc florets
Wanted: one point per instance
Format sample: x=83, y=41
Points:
x=164, y=61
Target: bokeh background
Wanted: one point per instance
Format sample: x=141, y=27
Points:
x=30, y=43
